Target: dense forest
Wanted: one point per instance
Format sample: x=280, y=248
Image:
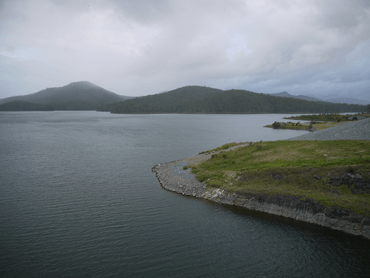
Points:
x=196, y=99
x=19, y=105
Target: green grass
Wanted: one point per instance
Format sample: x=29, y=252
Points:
x=249, y=169
x=223, y=147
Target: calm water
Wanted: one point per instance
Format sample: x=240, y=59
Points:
x=78, y=199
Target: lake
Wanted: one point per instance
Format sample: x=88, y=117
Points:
x=78, y=199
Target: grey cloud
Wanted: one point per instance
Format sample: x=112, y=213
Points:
x=144, y=11
x=343, y=14
x=144, y=47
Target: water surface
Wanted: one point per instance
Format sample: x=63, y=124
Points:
x=78, y=199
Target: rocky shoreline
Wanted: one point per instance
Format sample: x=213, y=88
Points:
x=173, y=177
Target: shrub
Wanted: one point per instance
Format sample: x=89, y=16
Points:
x=276, y=125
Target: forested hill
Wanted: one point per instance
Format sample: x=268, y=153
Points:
x=80, y=95
x=196, y=99
x=165, y=102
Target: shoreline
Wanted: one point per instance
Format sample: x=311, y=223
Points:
x=173, y=177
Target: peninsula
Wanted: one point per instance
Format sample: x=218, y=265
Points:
x=321, y=177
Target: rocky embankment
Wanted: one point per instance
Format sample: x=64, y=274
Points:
x=173, y=177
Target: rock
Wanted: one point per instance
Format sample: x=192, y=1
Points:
x=355, y=182
x=277, y=176
x=172, y=177
x=353, y=118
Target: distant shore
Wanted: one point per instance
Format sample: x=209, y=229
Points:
x=173, y=177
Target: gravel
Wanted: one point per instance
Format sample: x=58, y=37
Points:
x=173, y=177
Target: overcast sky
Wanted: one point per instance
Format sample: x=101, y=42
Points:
x=140, y=47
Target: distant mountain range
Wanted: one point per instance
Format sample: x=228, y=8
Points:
x=196, y=99
x=333, y=100
x=84, y=95
x=81, y=95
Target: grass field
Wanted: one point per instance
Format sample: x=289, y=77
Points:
x=299, y=168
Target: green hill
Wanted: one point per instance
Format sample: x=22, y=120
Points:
x=196, y=99
x=81, y=95
x=166, y=102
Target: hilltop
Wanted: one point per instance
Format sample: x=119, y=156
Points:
x=80, y=95
x=197, y=99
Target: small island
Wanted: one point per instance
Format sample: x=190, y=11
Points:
x=317, y=122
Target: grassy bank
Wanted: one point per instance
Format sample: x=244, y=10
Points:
x=307, y=169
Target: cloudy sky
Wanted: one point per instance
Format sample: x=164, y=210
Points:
x=139, y=47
